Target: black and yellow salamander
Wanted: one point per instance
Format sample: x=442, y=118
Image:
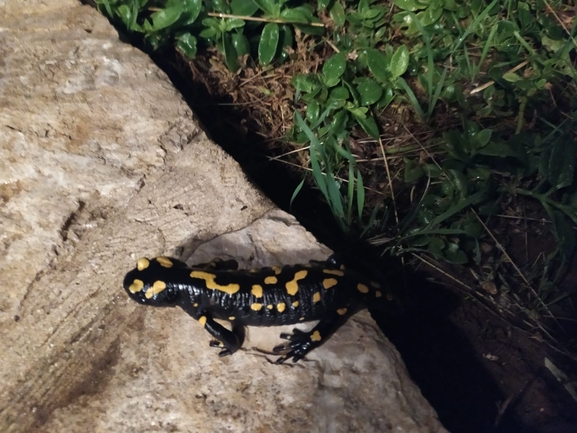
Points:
x=270, y=296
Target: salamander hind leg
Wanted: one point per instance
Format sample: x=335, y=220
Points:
x=300, y=343
x=228, y=341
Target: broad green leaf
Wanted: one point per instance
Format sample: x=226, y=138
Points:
x=369, y=125
x=409, y=5
x=337, y=13
x=186, y=43
x=268, y=43
x=334, y=68
x=495, y=148
x=305, y=83
x=413, y=171
x=564, y=234
x=269, y=7
x=233, y=23
x=378, y=65
x=481, y=138
x=511, y=77
x=243, y=7
x=191, y=11
x=399, y=62
x=369, y=90
x=230, y=55
x=165, y=17
x=313, y=111
x=241, y=44
x=454, y=255
x=297, y=15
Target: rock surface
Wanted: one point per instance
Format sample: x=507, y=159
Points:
x=101, y=162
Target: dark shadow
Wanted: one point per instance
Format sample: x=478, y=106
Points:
x=443, y=363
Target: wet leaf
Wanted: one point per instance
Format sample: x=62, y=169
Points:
x=399, y=62
x=333, y=69
x=369, y=90
x=165, y=17
x=378, y=65
x=186, y=43
x=268, y=43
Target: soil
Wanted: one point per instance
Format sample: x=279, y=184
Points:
x=481, y=372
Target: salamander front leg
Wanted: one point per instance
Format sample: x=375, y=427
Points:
x=300, y=343
x=229, y=341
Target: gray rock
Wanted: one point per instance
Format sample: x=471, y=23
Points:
x=100, y=163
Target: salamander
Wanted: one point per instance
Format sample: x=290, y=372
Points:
x=268, y=296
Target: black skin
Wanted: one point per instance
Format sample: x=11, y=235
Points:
x=323, y=291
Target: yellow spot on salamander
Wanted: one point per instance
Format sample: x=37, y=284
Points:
x=142, y=264
x=302, y=318
x=164, y=262
x=213, y=285
x=280, y=307
x=329, y=282
x=390, y=297
x=375, y=285
x=342, y=267
x=136, y=286
x=270, y=306
x=231, y=318
x=362, y=288
x=277, y=269
x=256, y=290
x=156, y=288
x=295, y=304
x=292, y=286
x=195, y=304
x=316, y=336
x=256, y=307
x=202, y=320
x=270, y=280
x=316, y=297
x=342, y=311
x=334, y=272
x=378, y=294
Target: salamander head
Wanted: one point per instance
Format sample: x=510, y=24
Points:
x=148, y=283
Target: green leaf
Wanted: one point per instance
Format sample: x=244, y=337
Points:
x=269, y=7
x=230, y=55
x=295, y=16
x=369, y=90
x=333, y=69
x=241, y=44
x=399, y=62
x=369, y=125
x=511, y=77
x=337, y=13
x=186, y=43
x=378, y=65
x=296, y=192
x=413, y=171
x=165, y=17
x=305, y=83
x=243, y=8
x=409, y=5
x=268, y=43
